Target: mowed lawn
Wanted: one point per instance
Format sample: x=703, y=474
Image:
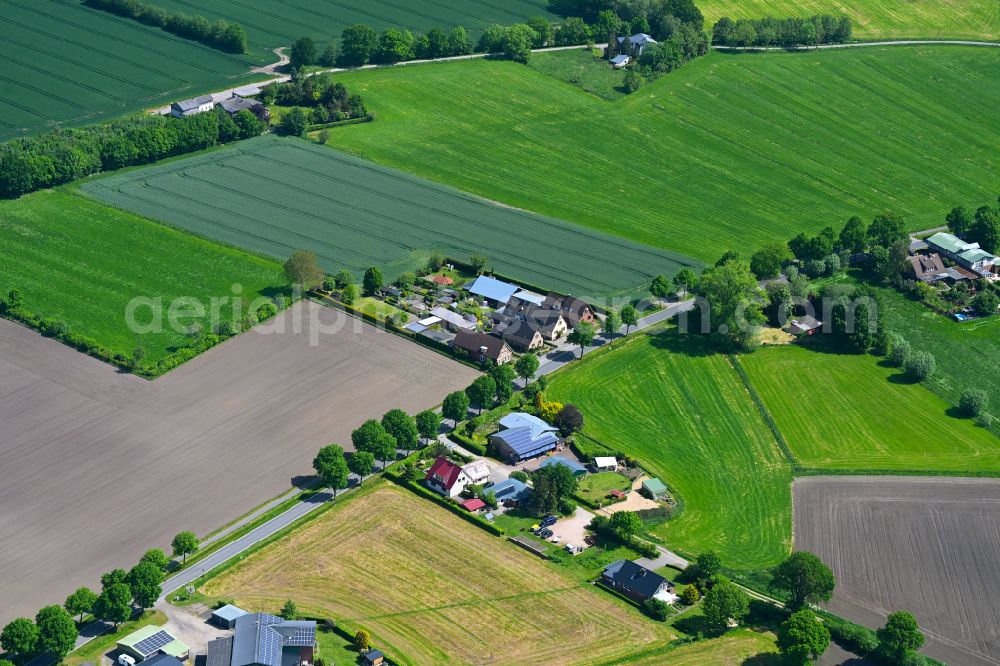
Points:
x=66, y=64
x=276, y=195
x=80, y=262
x=272, y=23
x=433, y=589
x=735, y=648
x=878, y=19
x=729, y=151
x=846, y=411
x=967, y=353
x=685, y=415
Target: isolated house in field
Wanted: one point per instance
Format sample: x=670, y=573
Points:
x=635, y=44
x=620, y=61
x=806, y=325
x=261, y=639
x=496, y=292
x=636, y=581
x=574, y=310
x=924, y=267
x=191, y=107
x=573, y=466
x=446, y=478
x=151, y=641
x=523, y=436
x=477, y=471
x=482, y=347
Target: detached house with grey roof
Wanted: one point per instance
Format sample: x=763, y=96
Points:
x=635, y=44
x=261, y=639
x=191, y=107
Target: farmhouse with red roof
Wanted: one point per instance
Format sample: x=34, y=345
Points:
x=446, y=477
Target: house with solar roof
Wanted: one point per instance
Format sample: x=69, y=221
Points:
x=261, y=639
x=150, y=641
x=523, y=436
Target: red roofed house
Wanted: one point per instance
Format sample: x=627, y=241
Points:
x=442, y=280
x=474, y=504
x=446, y=477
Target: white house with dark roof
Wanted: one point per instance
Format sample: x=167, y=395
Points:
x=191, y=107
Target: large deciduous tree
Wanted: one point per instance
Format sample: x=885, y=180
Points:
x=403, y=427
x=115, y=604
x=582, y=335
x=303, y=53
x=184, y=544
x=361, y=463
x=331, y=467
x=57, y=632
x=767, y=262
x=481, y=392
x=357, y=44
x=372, y=281
x=734, y=302
x=900, y=636
x=526, y=366
x=428, y=424
x=805, y=578
x=455, y=407
x=550, y=485
x=145, y=580
x=802, y=638
x=80, y=602
x=19, y=637
x=724, y=603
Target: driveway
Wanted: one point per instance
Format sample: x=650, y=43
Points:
x=190, y=625
x=573, y=529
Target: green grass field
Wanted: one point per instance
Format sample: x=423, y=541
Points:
x=81, y=262
x=584, y=70
x=878, y=19
x=845, y=411
x=64, y=64
x=276, y=195
x=595, y=487
x=967, y=353
x=685, y=415
x=272, y=23
x=728, y=151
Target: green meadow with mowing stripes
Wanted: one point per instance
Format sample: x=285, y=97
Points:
x=685, y=414
x=272, y=23
x=64, y=64
x=275, y=195
x=729, y=151
x=853, y=412
x=80, y=263
x=878, y=19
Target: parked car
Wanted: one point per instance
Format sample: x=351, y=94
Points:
x=573, y=550
x=548, y=521
x=555, y=538
x=536, y=528
x=126, y=660
x=545, y=533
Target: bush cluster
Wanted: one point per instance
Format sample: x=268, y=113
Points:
x=229, y=37
x=771, y=31
x=329, y=101
x=34, y=163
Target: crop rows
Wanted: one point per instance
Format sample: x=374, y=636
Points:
x=727, y=152
x=271, y=23
x=63, y=63
x=274, y=196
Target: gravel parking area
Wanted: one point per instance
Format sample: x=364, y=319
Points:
x=573, y=529
x=100, y=465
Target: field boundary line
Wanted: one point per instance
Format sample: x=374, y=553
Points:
x=734, y=362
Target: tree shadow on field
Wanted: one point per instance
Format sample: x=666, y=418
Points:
x=901, y=378
x=679, y=342
x=763, y=659
x=692, y=625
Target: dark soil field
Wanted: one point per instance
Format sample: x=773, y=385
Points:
x=927, y=545
x=99, y=466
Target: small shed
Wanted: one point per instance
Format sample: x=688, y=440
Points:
x=225, y=617
x=654, y=488
x=474, y=504
x=620, y=61
x=605, y=463
x=617, y=494
x=150, y=641
x=374, y=658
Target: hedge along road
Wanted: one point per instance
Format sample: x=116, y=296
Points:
x=853, y=45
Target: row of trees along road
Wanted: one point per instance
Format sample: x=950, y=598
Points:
x=54, y=631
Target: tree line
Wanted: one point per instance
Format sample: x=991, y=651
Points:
x=62, y=156
x=222, y=35
x=328, y=101
x=772, y=31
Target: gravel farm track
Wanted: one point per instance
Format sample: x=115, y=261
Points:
x=100, y=465
x=927, y=545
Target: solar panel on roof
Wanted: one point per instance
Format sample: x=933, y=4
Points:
x=148, y=646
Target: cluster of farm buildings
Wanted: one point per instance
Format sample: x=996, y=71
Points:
x=966, y=261
x=232, y=106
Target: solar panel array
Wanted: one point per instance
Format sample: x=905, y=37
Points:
x=148, y=646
